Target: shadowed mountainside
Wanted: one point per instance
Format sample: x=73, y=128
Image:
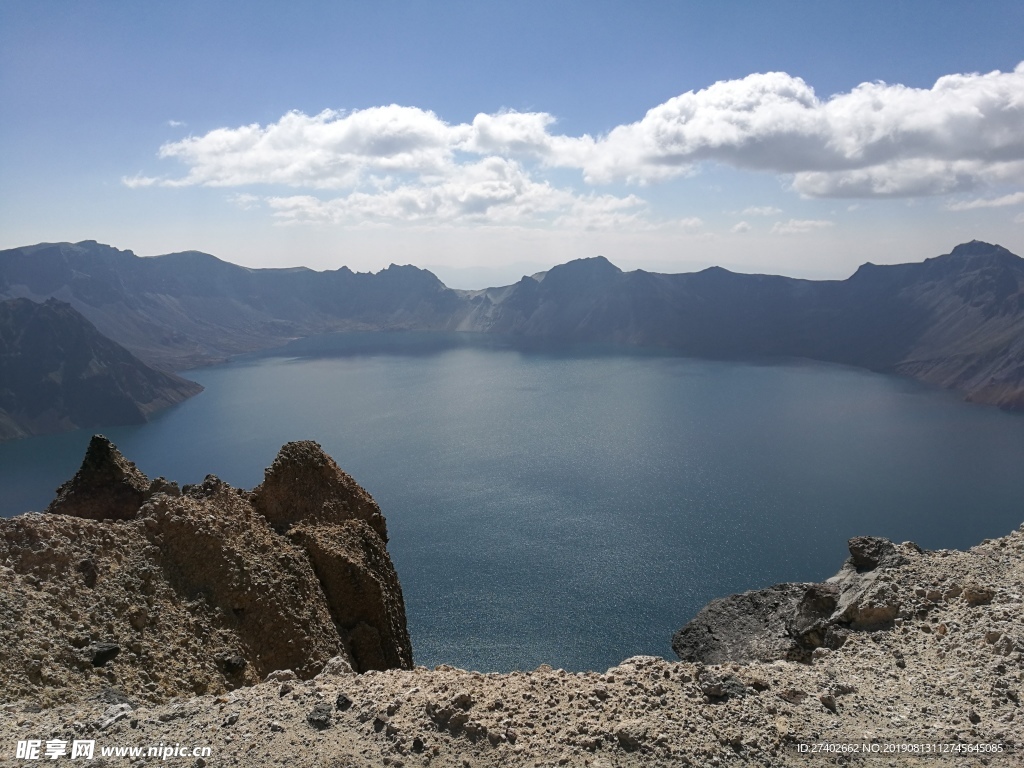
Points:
x=57, y=372
x=955, y=321
x=187, y=309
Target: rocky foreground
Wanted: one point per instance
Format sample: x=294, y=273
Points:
x=242, y=639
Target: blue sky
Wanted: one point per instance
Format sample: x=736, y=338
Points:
x=486, y=140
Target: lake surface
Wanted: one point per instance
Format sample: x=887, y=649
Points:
x=575, y=506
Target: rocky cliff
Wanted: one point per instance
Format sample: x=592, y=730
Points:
x=182, y=310
x=155, y=591
x=57, y=373
x=955, y=321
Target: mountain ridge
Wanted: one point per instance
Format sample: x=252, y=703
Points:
x=954, y=321
x=57, y=372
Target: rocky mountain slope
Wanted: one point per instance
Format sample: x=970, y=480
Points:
x=955, y=321
x=135, y=615
x=57, y=372
x=187, y=309
x=159, y=591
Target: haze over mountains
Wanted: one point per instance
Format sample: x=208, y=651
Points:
x=954, y=321
x=57, y=373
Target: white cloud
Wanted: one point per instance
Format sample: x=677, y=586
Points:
x=510, y=133
x=915, y=177
x=491, y=191
x=326, y=151
x=244, y=200
x=993, y=202
x=741, y=227
x=878, y=140
x=175, y=123
x=138, y=180
x=800, y=226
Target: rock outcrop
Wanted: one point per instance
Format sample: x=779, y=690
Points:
x=160, y=591
x=788, y=621
x=106, y=487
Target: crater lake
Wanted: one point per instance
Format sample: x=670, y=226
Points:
x=576, y=505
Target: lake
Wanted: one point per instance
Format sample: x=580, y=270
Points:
x=576, y=505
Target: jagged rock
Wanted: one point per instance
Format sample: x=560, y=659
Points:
x=754, y=626
x=978, y=595
x=106, y=487
x=320, y=717
x=789, y=621
x=718, y=687
x=113, y=715
x=809, y=625
x=962, y=685
x=305, y=484
x=338, y=665
x=362, y=591
x=196, y=591
x=870, y=552
x=231, y=663
x=867, y=604
x=102, y=653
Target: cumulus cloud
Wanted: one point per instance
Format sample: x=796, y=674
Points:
x=877, y=140
x=491, y=191
x=741, y=227
x=325, y=151
x=800, y=226
x=993, y=202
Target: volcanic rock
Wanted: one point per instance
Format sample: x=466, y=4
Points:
x=304, y=483
x=106, y=487
x=162, y=593
x=789, y=621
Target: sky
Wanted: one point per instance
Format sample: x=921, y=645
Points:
x=490, y=140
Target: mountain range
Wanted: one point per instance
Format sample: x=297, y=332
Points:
x=954, y=321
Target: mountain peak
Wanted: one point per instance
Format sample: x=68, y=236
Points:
x=979, y=248
x=305, y=484
x=106, y=487
x=587, y=268
x=593, y=263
